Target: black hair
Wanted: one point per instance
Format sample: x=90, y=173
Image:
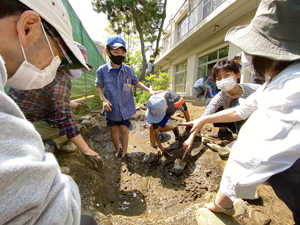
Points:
x=262, y=65
x=15, y=7
x=12, y=8
x=227, y=65
x=236, y=57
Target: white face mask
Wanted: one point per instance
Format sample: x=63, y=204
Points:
x=247, y=62
x=74, y=74
x=29, y=76
x=226, y=84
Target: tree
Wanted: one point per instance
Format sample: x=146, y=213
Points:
x=145, y=17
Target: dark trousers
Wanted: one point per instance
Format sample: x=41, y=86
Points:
x=286, y=185
x=87, y=220
x=233, y=126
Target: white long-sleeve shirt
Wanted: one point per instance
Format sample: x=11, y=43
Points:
x=269, y=142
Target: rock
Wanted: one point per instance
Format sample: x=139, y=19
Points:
x=239, y=206
x=213, y=146
x=179, y=115
x=143, y=106
x=206, y=217
x=223, y=151
x=84, y=118
x=205, y=140
x=64, y=170
x=208, y=128
x=138, y=107
x=100, y=218
x=86, y=122
x=259, y=217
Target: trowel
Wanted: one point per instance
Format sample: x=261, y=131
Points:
x=180, y=164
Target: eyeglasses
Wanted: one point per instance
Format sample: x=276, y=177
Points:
x=59, y=45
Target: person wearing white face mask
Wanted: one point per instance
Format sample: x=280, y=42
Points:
x=32, y=188
x=225, y=74
x=49, y=111
x=272, y=154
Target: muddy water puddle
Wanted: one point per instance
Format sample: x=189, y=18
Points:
x=142, y=188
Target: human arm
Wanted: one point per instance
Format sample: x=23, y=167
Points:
x=106, y=104
x=75, y=104
x=160, y=148
x=145, y=88
x=85, y=149
x=228, y=115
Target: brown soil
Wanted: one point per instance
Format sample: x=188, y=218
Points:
x=143, y=189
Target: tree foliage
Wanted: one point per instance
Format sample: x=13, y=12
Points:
x=145, y=17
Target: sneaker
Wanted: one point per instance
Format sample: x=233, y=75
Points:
x=50, y=146
x=176, y=132
x=221, y=135
x=197, y=98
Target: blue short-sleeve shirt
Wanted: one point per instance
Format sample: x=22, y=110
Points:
x=123, y=106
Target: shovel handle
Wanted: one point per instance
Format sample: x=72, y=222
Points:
x=185, y=150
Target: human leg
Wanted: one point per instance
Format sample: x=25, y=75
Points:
x=286, y=185
x=50, y=131
x=124, y=139
x=199, y=92
x=152, y=136
x=115, y=138
x=221, y=204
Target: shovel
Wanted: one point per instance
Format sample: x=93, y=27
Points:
x=180, y=164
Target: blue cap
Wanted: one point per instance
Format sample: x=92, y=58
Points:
x=156, y=109
x=116, y=42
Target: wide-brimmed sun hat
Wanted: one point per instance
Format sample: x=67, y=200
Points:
x=156, y=109
x=273, y=33
x=55, y=14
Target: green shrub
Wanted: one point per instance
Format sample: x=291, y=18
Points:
x=158, y=83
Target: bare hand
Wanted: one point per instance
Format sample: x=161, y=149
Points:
x=94, y=158
x=195, y=125
x=107, y=106
x=160, y=150
x=155, y=92
x=188, y=143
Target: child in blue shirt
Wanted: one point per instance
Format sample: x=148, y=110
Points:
x=117, y=79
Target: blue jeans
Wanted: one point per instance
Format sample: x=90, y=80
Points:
x=199, y=90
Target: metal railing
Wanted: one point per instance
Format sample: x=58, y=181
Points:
x=193, y=18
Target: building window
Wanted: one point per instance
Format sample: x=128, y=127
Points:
x=207, y=62
x=180, y=77
x=210, y=5
x=167, y=43
x=182, y=28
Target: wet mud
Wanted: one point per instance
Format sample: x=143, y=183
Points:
x=143, y=188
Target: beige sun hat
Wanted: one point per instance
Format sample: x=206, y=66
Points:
x=273, y=33
x=54, y=12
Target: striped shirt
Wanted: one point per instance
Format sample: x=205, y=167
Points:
x=221, y=99
x=49, y=103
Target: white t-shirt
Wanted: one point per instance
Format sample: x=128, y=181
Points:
x=199, y=82
x=268, y=143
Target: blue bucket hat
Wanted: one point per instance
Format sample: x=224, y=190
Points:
x=116, y=42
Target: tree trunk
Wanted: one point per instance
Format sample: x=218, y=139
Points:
x=140, y=31
x=160, y=30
